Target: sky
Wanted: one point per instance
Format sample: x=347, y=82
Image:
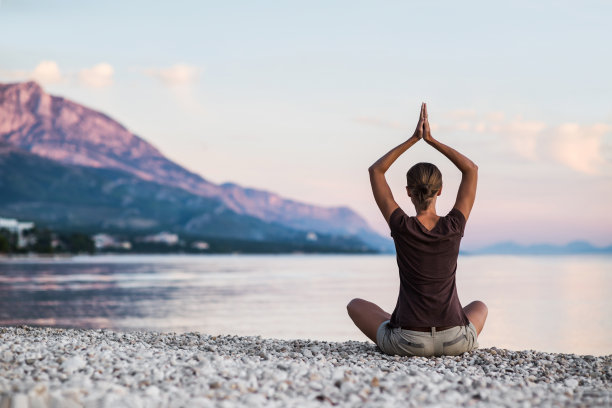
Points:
x=300, y=98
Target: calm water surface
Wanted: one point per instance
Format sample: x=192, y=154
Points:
x=560, y=304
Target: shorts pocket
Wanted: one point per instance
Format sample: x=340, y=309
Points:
x=409, y=343
x=457, y=340
x=458, y=345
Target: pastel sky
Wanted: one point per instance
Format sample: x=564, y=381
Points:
x=301, y=97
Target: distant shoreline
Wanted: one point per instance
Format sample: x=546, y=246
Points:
x=512, y=248
x=61, y=257
x=35, y=257
x=500, y=248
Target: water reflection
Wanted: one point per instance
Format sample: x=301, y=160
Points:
x=552, y=304
x=542, y=303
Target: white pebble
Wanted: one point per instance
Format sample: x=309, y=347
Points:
x=73, y=364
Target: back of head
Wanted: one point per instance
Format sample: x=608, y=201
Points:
x=424, y=181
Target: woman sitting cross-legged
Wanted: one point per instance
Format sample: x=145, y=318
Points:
x=428, y=319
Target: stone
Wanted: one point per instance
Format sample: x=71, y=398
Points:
x=69, y=368
x=73, y=364
x=571, y=383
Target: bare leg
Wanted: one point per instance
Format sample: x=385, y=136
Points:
x=477, y=313
x=367, y=316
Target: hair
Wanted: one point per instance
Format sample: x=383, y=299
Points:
x=424, y=181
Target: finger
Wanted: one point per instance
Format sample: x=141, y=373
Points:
x=425, y=110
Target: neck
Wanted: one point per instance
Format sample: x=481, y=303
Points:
x=431, y=210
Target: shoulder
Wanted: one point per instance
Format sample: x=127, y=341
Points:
x=398, y=220
x=456, y=220
x=455, y=213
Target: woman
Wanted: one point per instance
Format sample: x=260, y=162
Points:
x=428, y=319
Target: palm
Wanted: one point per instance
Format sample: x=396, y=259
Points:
x=426, y=129
x=419, y=132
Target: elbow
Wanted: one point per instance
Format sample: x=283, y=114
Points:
x=470, y=168
x=377, y=168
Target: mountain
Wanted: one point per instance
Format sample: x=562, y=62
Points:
x=92, y=200
x=71, y=134
x=512, y=248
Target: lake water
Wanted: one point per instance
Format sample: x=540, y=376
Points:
x=560, y=304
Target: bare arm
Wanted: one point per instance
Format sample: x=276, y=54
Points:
x=382, y=193
x=469, y=171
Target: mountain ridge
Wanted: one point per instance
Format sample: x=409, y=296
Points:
x=70, y=133
x=513, y=248
x=74, y=198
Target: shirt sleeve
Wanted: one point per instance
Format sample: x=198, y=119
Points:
x=397, y=221
x=456, y=220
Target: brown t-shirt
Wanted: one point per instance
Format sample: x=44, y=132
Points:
x=427, y=263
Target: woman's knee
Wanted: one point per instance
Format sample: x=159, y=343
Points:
x=477, y=304
x=482, y=306
x=477, y=313
x=353, y=305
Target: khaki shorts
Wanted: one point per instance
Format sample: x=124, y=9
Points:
x=450, y=342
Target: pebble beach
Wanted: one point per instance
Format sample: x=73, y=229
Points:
x=50, y=367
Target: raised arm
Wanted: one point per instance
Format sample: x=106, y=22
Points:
x=382, y=193
x=469, y=171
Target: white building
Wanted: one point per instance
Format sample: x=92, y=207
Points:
x=201, y=245
x=312, y=236
x=108, y=241
x=16, y=227
x=163, y=237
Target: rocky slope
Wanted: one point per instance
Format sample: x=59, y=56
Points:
x=59, y=129
x=71, y=197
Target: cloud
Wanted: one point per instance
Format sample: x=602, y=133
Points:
x=98, y=76
x=580, y=147
x=178, y=74
x=495, y=116
x=522, y=135
x=178, y=77
x=48, y=72
x=583, y=148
